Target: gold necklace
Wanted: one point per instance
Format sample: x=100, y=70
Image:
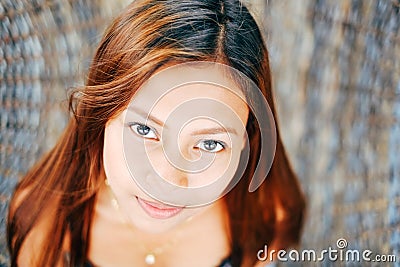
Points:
x=150, y=254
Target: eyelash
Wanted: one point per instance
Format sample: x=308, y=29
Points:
x=200, y=145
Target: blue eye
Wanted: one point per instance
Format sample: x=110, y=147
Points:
x=143, y=130
x=212, y=146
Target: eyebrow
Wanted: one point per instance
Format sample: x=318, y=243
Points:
x=147, y=116
x=207, y=131
x=215, y=130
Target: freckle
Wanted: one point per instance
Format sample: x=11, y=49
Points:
x=183, y=182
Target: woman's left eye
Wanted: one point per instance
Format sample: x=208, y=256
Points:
x=143, y=130
x=210, y=146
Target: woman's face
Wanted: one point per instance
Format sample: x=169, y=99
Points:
x=190, y=137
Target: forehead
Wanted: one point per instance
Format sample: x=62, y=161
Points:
x=207, y=92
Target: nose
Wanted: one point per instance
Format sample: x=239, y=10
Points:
x=171, y=173
x=168, y=169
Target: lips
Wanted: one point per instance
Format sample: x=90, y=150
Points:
x=158, y=210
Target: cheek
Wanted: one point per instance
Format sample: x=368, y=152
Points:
x=223, y=167
x=113, y=157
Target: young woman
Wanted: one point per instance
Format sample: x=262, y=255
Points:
x=87, y=202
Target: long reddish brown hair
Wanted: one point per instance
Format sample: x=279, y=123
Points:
x=150, y=34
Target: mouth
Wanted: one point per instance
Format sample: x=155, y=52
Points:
x=158, y=210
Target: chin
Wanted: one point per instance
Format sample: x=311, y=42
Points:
x=159, y=226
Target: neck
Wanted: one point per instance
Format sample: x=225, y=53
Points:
x=207, y=232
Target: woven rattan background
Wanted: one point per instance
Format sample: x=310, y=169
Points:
x=337, y=80
x=336, y=67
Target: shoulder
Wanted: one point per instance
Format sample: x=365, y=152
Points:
x=34, y=241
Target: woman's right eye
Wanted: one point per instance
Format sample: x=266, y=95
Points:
x=143, y=131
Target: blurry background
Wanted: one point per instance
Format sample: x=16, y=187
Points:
x=336, y=70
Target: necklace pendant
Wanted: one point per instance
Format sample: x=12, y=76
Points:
x=150, y=259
